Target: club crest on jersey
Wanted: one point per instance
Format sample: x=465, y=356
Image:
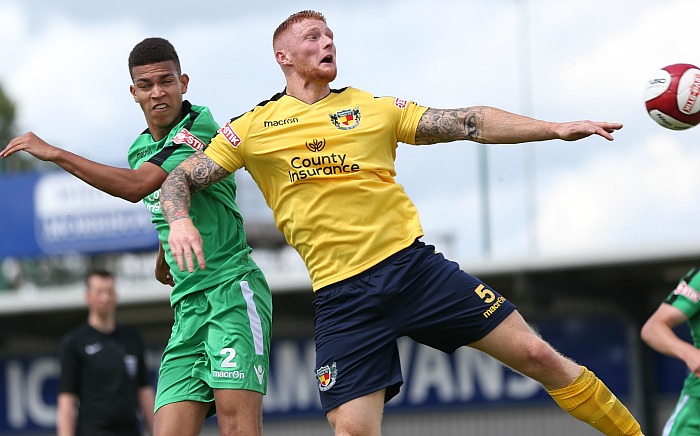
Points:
x=230, y=135
x=326, y=376
x=346, y=119
x=185, y=137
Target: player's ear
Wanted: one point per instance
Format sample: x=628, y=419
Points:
x=184, y=81
x=281, y=57
x=132, y=90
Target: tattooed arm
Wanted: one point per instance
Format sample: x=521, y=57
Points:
x=489, y=125
x=194, y=174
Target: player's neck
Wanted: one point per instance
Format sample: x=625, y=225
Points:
x=308, y=92
x=102, y=324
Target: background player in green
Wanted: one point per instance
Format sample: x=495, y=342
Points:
x=104, y=380
x=682, y=305
x=328, y=174
x=219, y=348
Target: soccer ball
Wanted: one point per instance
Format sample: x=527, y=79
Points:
x=672, y=96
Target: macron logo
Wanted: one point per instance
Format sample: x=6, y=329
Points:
x=230, y=135
x=259, y=371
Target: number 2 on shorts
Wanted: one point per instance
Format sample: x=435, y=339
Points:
x=228, y=361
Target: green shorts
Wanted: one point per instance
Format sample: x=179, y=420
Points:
x=685, y=420
x=220, y=340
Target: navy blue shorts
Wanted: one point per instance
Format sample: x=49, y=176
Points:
x=416, y=293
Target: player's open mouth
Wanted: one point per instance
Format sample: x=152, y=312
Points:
x=327, y=59
x=160, y=106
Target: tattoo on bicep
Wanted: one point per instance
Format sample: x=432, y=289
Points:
x=204, y=172
x=192, y=175
x=445, y=125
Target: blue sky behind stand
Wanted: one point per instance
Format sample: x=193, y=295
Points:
x=64, y=65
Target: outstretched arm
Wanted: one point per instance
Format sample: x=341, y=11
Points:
x=658, y=333
x=131, y=185
x=489, y=125
x=194, y=174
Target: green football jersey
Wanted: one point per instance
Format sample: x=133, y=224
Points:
x=686, y=297
x=213, y=210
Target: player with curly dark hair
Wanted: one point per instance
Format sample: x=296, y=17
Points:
x=217, y=358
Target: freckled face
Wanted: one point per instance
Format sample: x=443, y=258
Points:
x=158, y=89
x=312, y=50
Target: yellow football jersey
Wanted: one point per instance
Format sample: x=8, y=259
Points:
x=327, y=171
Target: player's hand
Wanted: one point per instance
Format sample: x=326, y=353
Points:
x=576, y=130
x=184, y=240
x=693, y=362
x=33, y=145
x=163, y=272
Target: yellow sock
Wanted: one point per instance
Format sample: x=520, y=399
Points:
x=589, y=400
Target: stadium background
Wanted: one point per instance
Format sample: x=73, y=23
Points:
x=590, y=309
x=585, y=238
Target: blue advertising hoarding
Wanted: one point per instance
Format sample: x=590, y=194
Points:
x=432, y=380
x=56, y=213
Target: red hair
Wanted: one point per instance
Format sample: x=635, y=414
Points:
x=293, y=19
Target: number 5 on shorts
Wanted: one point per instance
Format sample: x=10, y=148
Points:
x=485, y=294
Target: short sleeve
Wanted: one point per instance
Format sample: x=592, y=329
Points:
x=70, y=367
x=226, y=148
x=686, y=296
x=409, y=114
